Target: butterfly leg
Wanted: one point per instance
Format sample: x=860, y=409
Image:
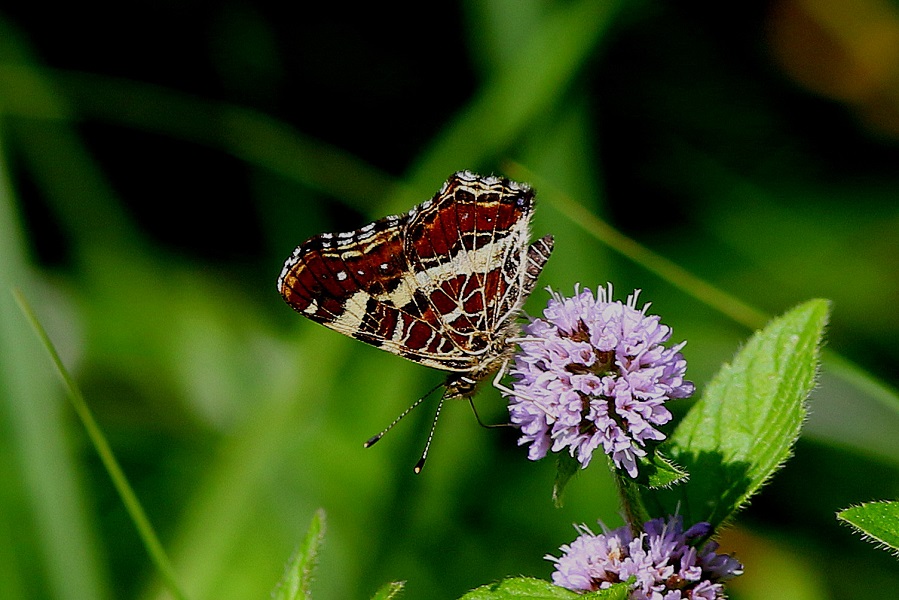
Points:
x=497, y=383
x=480, y=422
x=518, y=340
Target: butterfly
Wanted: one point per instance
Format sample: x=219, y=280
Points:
x=442, y=285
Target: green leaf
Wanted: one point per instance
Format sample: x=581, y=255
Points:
x=297, y=579
x=656, y=471
x=389, y=591
x=742, y=430
x=566, y=467
x=876, y=521
x=537, y=589
x=129, y=498
x=619, y=591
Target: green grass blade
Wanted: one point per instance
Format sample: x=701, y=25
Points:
x=853, y=410
x=129, y=498
x=731, y=306
x=244, y=133
x=545, y=63
x=669, y=271
x=50, y=527
x=52, y=149
x=235, y=483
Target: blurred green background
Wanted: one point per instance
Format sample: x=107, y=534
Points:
x=158, y=162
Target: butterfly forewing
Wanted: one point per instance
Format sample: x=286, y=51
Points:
x=329, y=277
x=441, y=285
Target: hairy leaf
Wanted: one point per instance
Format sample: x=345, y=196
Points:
x=744, y=426
x=297, y=579
x=519, y=588
x=876, y=521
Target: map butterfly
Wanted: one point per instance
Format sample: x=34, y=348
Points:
x=442, y=285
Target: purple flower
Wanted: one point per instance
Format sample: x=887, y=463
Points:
x=594, y=373
x=663, y=560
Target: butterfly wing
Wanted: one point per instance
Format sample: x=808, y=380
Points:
x=349, y=282
x=468, y=248
x=359, y=283
x=439, y=285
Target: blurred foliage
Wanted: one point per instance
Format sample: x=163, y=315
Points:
x=158, y=163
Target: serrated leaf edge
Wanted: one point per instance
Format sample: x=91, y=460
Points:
x=868, y=537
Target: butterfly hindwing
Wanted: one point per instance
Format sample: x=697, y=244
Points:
x=459, y=245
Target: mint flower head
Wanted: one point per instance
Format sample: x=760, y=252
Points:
x=594, y=373
x=666, y=562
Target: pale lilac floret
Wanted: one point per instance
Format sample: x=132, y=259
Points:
x=594, y=373
x=664, y=562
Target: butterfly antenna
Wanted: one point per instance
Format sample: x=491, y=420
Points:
x=371, y=441
x=424, y=455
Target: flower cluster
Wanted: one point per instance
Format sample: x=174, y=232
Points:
x=662, y=560
x=593, y=373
